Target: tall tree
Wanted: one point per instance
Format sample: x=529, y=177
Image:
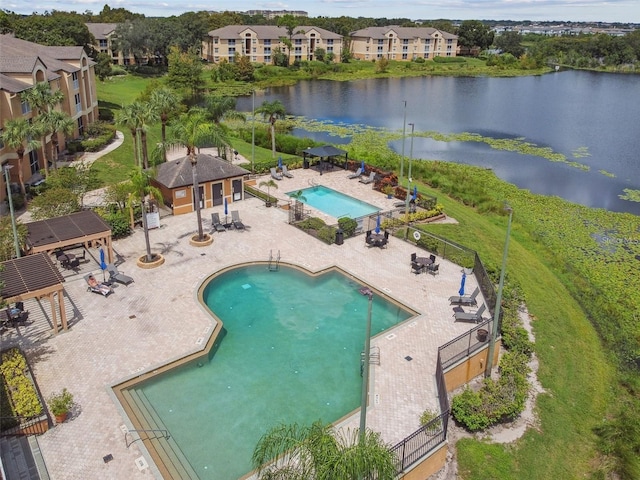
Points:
x=137, y=117
x=166, y=103
x=510, y=42
x=220, y=108
x=194, y=130
x=319, y=453
x=474, y=33
x=185, y=70
x=18, y=135
x=42, y=101
x=126, y=117
x=272, y=111
x=54, y=28
x=141, y=187
x=54, y=122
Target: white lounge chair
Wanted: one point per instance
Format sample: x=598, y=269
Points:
x=369, y=179
x=275, y=175
x=285, y=172
x=355, y=175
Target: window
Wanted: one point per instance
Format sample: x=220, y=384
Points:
x=215, y=50
x=181, y=194
x=78, y=102
x=1, y=142
x=380, y=49
x=404, y=56
x=330, y=41
x=74, y=77
x=103, y=44
x=33, y=161
x=231, y=42
x=215, y=41
x=267, y=59
x=297, y=58
x=254, y=58
x=26, y=108
x=380, y=41
x=267, y=43
x=80, y=126
x=330, y=49
x=298, y=50
x=298, y=41
x=267, y=50
x=449, y=42
x=405, y=41
x=232, y=52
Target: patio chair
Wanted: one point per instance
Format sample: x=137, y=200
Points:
x=465, y=299
x=216, y=223
x=16, y=314
x=433, y=269
x=416, y=268
x=355, y=175
x=275, y=175
x=116, y=276
x=285, y=172
x=97, y=287
x=474, y=317
x=369, y=179
x=433, y=258
x=414, y=255
x=235, y=219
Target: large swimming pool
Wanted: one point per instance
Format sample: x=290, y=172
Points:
x=290, y=353
x=335, y=203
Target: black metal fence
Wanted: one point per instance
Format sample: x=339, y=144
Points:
x=19, y=426
x=421, y=442
x=465, y=345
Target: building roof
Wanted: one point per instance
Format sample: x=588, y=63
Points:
x=68, y=227
x=401, y=32
x=101, y=30
x=269, y=32
x=177, y=173
x=28, y=274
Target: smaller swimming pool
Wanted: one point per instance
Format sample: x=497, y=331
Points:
x=335, y=203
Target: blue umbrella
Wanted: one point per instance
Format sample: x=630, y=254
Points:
x=415, y=192
x=464, y=279
x=378, y=224
x=362, y=165
x=103, y=264
x=280, y=163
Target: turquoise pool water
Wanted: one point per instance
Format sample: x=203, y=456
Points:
x=290, y=353
x=335, y=203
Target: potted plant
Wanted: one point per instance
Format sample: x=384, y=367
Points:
x=388, y=191
x=60, y=404
x=269, y=184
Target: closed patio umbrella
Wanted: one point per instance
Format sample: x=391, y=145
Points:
x=280, y=163
x=226, y=210
x=103, y=264
x=378, y=224
x=464, y=279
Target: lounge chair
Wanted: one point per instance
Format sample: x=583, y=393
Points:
x=116, y=276
x=216, y=223
x=275, y=175
x=465, y=299
x=97, y=287
x=285, y=172
x=475, y=317
x=235, y=219
x=355, y=175
x=369, y=179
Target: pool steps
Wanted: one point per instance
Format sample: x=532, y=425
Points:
x=166, y=454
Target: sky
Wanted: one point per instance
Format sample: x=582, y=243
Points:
x=624, y=11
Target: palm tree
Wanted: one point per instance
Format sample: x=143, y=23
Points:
x=193, y=130
x=54, y=122
x=127, y=118
x=18, y=135
x=297, y=208
x=220, y=108
x=269, y=184
x=136, y=117
x=140, y=189
x=166, y=103
x=319, y=453
x=272, y=111
x=42, y=101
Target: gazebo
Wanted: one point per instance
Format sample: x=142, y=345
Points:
x=328, y=152
x=34, y=276
x=86, y=227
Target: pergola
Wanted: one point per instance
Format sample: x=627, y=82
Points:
x=86, y=227
x=326, y=151
x=34, y=276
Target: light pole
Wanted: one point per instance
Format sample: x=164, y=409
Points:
x=16, y=244
x=365, y=374
x=196, y=192
x=406, y=211
x=253, y=130
x=404, y=132
x=496, y=311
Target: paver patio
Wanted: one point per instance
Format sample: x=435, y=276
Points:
x=158, y=319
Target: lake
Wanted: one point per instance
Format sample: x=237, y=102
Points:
x=570, y=111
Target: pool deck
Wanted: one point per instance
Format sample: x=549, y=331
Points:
x=158, y=319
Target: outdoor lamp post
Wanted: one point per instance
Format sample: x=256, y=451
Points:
x=404, y=132
x=16, y=244
x=253, y=131
x=196, y=193
x=365, y=374
x=409, y=176
x=496, y=311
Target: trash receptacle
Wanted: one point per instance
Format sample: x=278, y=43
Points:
x=305, y=163
x=339, y=237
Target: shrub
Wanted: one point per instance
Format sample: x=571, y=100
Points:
x=105, y=115
x=348, y=226
x=23, y=396
x=118, y=221
x=60, y=403
x=312, y=223
x=327, y=234
x=18, y=200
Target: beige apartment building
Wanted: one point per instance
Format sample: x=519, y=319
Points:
x=104, y=35
x=402, y=43
x=68, y=69
x=259, y=42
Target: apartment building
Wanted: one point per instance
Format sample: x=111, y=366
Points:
x=402, y=43
x=68, y=69
x=104, y=33
x=259, y=42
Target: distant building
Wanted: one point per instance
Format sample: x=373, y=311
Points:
x=104, y=34
x=258, y=42
x=271, y=14
x=402, y=43
x=67, y=69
